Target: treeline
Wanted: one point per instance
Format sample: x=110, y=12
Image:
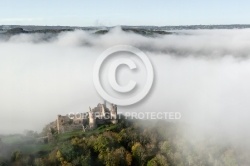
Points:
x=128, y=143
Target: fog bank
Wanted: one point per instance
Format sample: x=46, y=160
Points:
x=204, y=74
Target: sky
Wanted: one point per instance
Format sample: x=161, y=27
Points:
x=124, y=12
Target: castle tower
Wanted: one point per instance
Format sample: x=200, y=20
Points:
x=92, y=119
x=113, y=112
x=103, y=110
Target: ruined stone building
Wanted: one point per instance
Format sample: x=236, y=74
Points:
x=102, y=115
x=85, y=121
x=67, y=123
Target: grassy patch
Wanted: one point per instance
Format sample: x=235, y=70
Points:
x=67, y=136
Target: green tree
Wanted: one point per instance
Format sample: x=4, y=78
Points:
x=158, y=160
x=16, y=156
x=139, y=153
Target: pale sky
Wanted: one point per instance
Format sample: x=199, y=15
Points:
x=124, y=12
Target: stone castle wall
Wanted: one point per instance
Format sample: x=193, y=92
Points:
x=95, y=117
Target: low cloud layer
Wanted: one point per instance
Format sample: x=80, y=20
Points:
x=204, y=74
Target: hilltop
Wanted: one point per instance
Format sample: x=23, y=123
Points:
x=130, y=142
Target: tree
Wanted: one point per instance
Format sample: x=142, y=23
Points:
x=120, y=157
x=138, y=153
x=158, y=160
x=30, y=133
x=16, y=156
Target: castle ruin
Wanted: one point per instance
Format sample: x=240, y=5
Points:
x=102, y=115
x=95, y=117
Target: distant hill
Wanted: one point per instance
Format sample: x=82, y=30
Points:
x=149, y=31
x=24, y=30
x=180, y=27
